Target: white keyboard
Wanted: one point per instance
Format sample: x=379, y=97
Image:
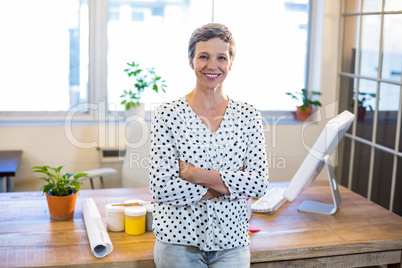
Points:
x=270, y=202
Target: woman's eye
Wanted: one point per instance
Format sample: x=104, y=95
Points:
x=203, y=57
x=222, y=58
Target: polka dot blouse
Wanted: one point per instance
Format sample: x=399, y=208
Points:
x=180, y=216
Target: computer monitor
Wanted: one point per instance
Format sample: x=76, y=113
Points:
x=317, y=157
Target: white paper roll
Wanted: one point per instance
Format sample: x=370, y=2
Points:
x=99, y=239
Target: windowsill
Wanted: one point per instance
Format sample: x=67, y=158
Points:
x=268, y=118
x=281, y=122
x=44, y=123
x=88, y=122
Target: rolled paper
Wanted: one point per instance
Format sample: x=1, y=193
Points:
x=98, y=237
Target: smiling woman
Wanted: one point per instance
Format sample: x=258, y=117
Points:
x=207, y=157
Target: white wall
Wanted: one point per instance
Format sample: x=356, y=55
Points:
x=48, y=144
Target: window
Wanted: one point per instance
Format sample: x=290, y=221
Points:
x=370, y=86
x=59, y=54
x=44, y=55
x=153, y=34
x=271, y=41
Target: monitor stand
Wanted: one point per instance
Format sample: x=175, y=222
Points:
x=324, y=208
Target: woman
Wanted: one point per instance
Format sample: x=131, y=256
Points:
x=207, y=157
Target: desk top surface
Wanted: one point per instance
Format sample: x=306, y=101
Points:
x=29, y=238
x=9, y=162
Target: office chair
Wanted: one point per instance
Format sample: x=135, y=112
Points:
x=99, y=172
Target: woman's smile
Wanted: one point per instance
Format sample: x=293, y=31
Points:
x=211, y=76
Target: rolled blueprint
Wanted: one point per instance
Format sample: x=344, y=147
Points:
x=99, y=239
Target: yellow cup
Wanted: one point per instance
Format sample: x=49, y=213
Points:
x=135, y=220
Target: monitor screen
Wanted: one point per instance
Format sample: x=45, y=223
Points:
x=324, y=146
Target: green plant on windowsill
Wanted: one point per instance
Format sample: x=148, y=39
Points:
x=144, y=78
x=363, y=97
x=306, y=98
x=308, y=102
x=58, y=184
x=362, y=106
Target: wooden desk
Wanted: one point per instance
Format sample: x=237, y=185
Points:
x=8, y=166
x=361, y=233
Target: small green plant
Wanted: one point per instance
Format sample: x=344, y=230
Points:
x=144, y=78
x=57, y=184
x=306, y=98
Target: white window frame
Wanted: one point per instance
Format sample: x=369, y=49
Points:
x=354, y=137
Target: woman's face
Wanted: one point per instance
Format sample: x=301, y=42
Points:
x=211, y=63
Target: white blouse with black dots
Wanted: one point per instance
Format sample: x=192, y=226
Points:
x=180, y=216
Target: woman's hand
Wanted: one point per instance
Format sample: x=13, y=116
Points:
x=240, y=169
x=208, y=178
x=210, y=194
x=186, y=170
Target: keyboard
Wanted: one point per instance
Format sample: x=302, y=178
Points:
x=270, y=202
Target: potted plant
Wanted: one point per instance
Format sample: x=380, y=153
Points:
x=144, y=78
x=61, y=191
x=305, y=110
x=362, y=106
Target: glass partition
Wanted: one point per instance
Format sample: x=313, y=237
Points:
x=372, y=5
x=387, y=114
x=360, y=175
x=370, y=68
x=392, y=48
x=366, y=107
x=370, y=45
x=350, y=48
x=382, y=177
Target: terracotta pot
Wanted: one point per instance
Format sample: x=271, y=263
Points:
x=61, y=207
x=303, y=115
x=361, y=113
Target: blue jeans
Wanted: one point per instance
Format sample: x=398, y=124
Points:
x=180, y=256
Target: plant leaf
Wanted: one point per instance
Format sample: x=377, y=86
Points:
x=145, y=78
x=80, y=175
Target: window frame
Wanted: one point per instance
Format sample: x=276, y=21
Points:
x=354, y=137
